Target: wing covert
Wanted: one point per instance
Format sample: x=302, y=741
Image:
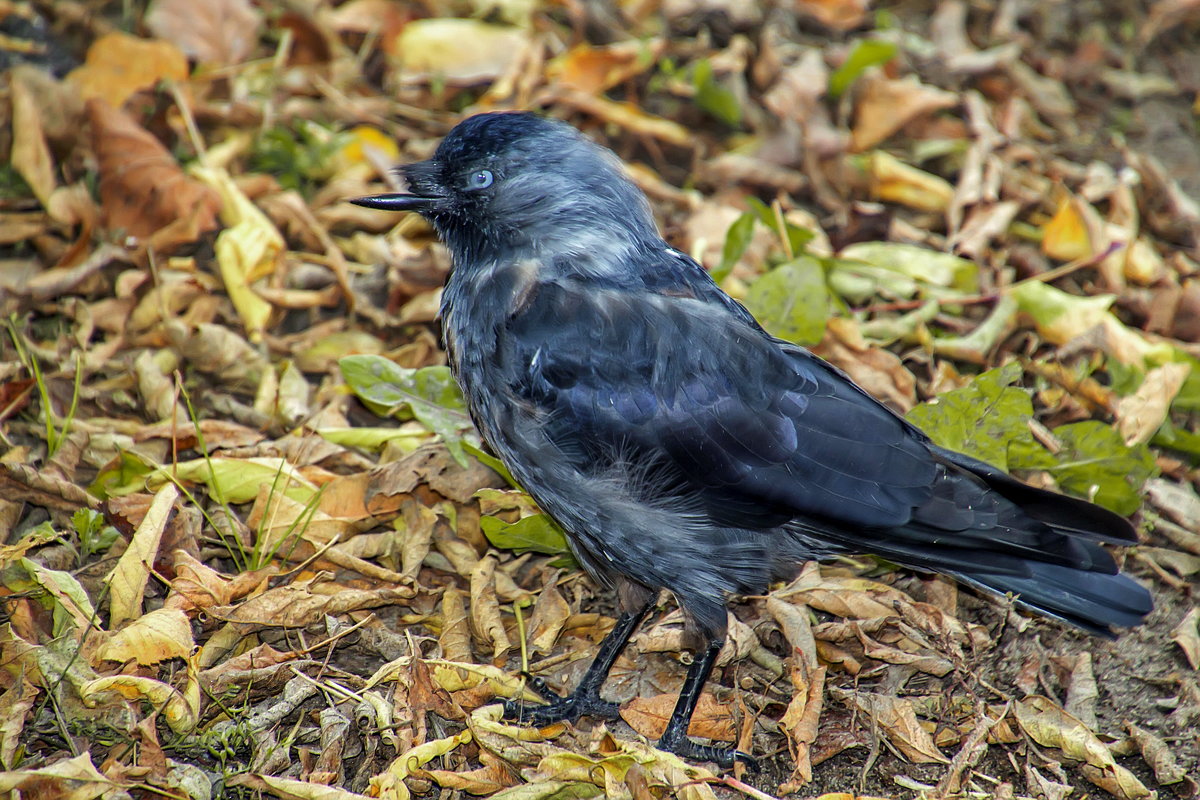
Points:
x=756, y=429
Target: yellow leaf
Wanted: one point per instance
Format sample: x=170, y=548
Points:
x=175, y=708
x=30, y=155
x=897, y=182
x=118, y=64
x=1070, y=233
x=161, y=634
x=127, y=581
x=248, y=250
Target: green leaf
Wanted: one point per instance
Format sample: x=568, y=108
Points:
x=919, y=265
x=737, y=239
x=791, y=301
x=537, y=533
x=1096, y=463
x=797, y=237
x=1181, y=441
x=713, y=97
x=865, y=53
x=984, y=419
x=430, y=393
x=489, y=460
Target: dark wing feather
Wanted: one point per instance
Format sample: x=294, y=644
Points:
x=757, y=430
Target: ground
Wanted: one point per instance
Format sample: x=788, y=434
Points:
x=253, y=547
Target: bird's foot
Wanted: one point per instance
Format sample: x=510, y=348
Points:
x=724, y=757
x=583, y=702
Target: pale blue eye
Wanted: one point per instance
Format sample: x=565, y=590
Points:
x=480, y=179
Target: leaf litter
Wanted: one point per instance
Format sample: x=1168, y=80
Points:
x=252, y=545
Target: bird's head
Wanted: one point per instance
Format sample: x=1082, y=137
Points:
x=516, y=184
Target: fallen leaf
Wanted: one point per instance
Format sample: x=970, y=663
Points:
x=128, y=579
x=1187, y=635
x=896, y=182
x=143, y=192
x=884, y=106
x=119, y=64
x=458, y=51
x=1141, y=414
x=215, y=33
x=712, y=720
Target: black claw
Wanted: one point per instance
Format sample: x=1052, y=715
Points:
x=559, y=709
x=724, y=757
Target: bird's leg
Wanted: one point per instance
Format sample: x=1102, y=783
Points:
x=585, y=700
x=675, y=739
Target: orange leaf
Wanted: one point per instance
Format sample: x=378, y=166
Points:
x=712, y=720
x=118, y=65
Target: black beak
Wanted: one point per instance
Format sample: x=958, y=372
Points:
x=396, y=201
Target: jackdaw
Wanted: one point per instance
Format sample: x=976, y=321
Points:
x=681, y=446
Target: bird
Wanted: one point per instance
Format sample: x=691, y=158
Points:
x=681, y=446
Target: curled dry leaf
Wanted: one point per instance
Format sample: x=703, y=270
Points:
x=455, y=636
x=178, y=710
x=143, y=191
x=299, y=605
x=1187, y=635
x=1142, y=413
x=801, y=720
x=896, y=182
x=157, y=636
x=1050, y=726
x=486, y=623
x=897, y=719
x=550, y=612
x=885, y=106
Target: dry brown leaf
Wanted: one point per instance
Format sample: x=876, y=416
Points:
x=898, y=721
x=712, y=720
x=1050, y=726
x=25, y=483
x=30, y=155
x=455, y=635
x=486, y=622
x=1074, y=232
x=596, y=69
x=1159, y=755
x=484, y=780
x=1187, y=635
x=841, y=15
x=550, y=612
x=1082, y=692
x=800, y=721
x=177, y=709
x=415, y=526
x=157, y=636
x=196, y=585
x=216, y=33
x=15, y=703
x=298, y=605
x=885, y=106
x=796, y=626
x=459, y=51
x=118, y=64
x=1118, y=781
x=143, y=192
x=1141, y=414
x=128, y=579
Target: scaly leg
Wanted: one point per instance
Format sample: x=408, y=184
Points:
x=585, y=700
x=675, y=739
